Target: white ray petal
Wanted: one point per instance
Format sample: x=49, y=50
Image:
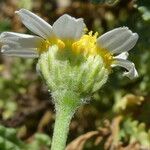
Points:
x=27, y=53
x=68, y=27
x=118, y=40
x=35, y=23
x=128, y=44
x=108, y=36
x=129, y=66
x=123, y=55
x=14, y=34
x=20, y=40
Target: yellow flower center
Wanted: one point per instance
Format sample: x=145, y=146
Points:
x=86, y=45
x=44, y=46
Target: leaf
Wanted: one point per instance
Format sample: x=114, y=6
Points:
x=79, y=142
x=136, y=132
x=128, y=101
x=9, y=140
x=40, y=141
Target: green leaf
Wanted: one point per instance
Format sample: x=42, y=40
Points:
x=136, y=132
x=40, y=141
x=9, y=140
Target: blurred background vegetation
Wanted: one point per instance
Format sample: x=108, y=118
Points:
x=118, y=116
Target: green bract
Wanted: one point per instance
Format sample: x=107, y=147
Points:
x=76, y=76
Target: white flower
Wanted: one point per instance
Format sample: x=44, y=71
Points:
x=120, y=41
x=23, y=45
x=66, y=28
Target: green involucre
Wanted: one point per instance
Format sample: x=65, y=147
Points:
x=73, y=74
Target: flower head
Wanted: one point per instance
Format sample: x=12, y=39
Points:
x=68, y=34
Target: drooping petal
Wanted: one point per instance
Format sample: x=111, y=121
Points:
x=123, y=55
x=35, y=23
x=68, y=27
x=129, y=66
x=18, y=40
x=118, y=40
x=27, y=53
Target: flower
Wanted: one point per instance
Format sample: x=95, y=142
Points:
x=68, y=33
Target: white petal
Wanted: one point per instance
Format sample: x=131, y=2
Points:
x=27, y=53
x=104, y=39
x=68, y=27
x=14, y=34
x=18, y=40
x=35, y=23
x=132, y=72
x=128, y=44
x=118, y=40
x=123, y=55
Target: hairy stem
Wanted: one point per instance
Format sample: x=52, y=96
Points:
x=63, y=118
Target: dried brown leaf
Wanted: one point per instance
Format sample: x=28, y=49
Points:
x=113, y=140
x=79, y=142
x=128, y=101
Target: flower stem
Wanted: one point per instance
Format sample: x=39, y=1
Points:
x=63, y=118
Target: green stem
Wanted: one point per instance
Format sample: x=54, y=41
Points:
x=61, y=129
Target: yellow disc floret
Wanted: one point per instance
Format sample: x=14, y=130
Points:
x=87, y=45
x=44, y=46
x=60, y=44
x=107, y=56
